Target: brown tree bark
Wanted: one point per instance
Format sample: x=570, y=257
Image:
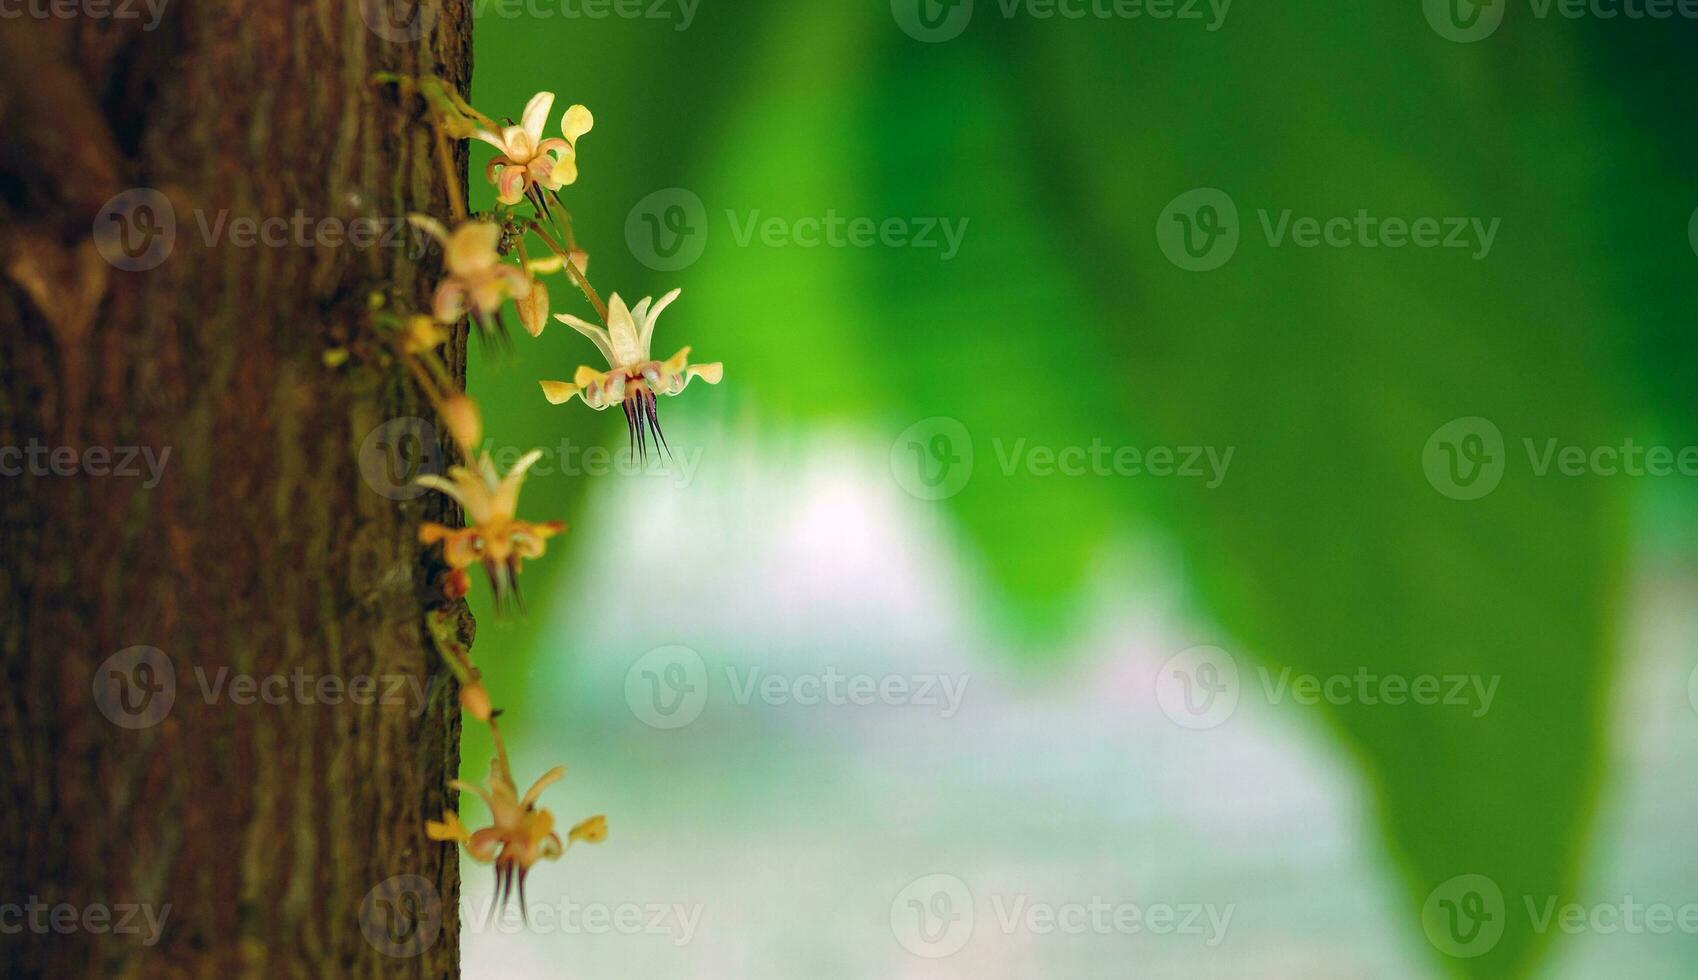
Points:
x=258, y=836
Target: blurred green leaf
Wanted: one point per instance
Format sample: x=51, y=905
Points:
x=1330, y=369
x=1061, y=323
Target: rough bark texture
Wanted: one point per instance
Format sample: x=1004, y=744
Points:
x=261, y=551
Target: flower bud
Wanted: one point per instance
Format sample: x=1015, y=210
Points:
x=464, y=422
x=533, y=309
x=475, y=700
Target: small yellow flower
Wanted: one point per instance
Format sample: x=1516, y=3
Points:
x=520, y=834
x=527, y=160
x=634, y=378
x=478, y=281
x=448, y=828
x=423, y=335
x=495, y=537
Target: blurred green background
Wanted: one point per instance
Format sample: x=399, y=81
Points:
x=826, y=516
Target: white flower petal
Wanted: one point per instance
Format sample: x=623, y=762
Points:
x=535, y=119
x=506, y=502
x=437, y=483
x=597, y=335
x=429, y=226
x=493, y=139
x=548, y=778
x=622, y=331
x=654, y=314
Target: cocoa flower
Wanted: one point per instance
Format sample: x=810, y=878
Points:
x=634, y=378
x=520, y=833
x=527, y=160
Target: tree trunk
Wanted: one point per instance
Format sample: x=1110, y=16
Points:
x=197, y=779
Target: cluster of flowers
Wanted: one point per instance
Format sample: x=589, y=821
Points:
x=528, y=172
